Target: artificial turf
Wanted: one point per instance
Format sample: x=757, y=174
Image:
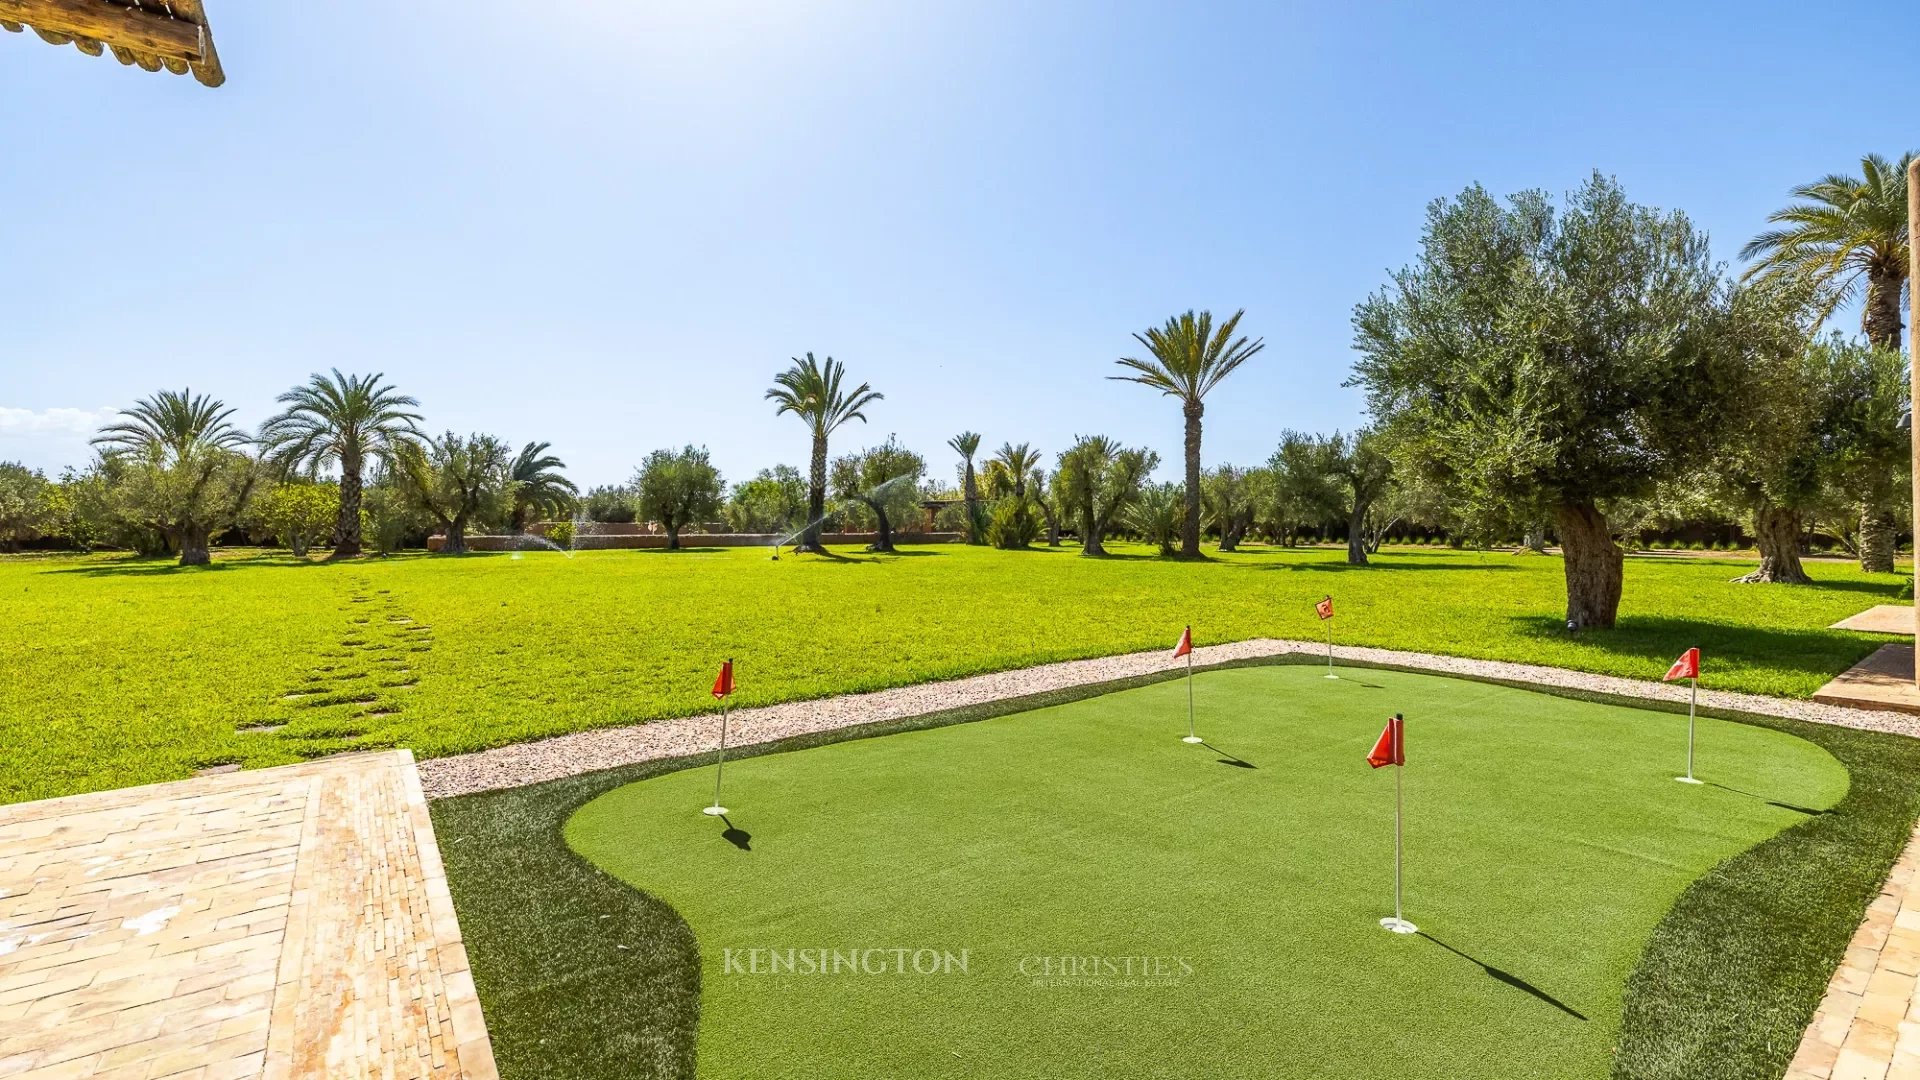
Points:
x=121, y=671
x=1546, y=842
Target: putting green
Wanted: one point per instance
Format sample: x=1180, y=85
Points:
x=1246, y=877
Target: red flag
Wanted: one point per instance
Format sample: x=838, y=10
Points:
x=1186, y=643
x=723, y=684
x=1391, y=747
x=1325, y=608
x=1687, y=667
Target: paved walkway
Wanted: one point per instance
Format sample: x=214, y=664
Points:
x=288, y=922
x=1868, y=1025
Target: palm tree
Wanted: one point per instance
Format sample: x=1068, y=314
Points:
x=340, y=420
x=1014, y=463
x=1155, y=515
x=966, y=444
x=171, y=426
x=1848, y=232
x=1189, y=358
x=194, y=479
x=538, y=487
x=812, y=391
x=1851, y=231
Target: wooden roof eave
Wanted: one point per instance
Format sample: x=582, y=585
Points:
x=149, y=34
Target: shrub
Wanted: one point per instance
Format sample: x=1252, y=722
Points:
x=1158, y=514
x=390, y=521
x=1013, y=524
x=561, y=533
x=299, y=513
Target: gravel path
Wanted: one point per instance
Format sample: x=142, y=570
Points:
x=589, y=751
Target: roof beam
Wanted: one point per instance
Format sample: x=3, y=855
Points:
x=133, y=28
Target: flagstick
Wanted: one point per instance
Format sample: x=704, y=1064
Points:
x=1330, y=673
x=716, y=810
x=1693, y=700
x=1397, y=924
x=1192, y=735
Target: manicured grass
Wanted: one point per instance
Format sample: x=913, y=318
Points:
x=125, y=671
x=1547, y=845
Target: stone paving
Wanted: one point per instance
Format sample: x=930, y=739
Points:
x=1868, y=1025
x=287, y=922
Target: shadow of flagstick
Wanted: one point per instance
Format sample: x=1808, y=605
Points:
x=738, y=837
x=1509, y=978
x=1230, y=759
x=1810, y=812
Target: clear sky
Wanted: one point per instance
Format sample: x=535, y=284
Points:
x=607, y=224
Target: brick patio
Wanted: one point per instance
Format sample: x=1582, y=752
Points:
x=272, y=923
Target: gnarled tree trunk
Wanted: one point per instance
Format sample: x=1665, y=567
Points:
x=346, y=527
x=1089, y=535
x=1876, y=539
x=1776, y=531
x=1190, y=528
x=456, y=537
x=1594, y=566
x=193, y=546
x=1357, y=535
x=1053, y=522
x=883, y=531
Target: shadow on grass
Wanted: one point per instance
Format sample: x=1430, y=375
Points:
x=1657, y=639
x=1809, y=811
x=1509, y=978
x=735, y=835
x=140, y=566
x=1230, y=759
x=1389, y=564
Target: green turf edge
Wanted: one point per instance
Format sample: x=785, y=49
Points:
x=582, y=976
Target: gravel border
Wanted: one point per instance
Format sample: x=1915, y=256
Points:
x=607, y=748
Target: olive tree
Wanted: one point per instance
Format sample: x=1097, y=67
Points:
x=677, y=488
x=1550, y=361
x=299, y=513
x=175, y=467
x=774, y=501
x=1362, y=474
x=456, y=481
x=1231, y=497
x=884, y=481
x=24, y=504
x=1303, y=491
x=1096, y=481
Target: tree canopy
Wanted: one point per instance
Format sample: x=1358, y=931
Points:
x=1549, y=361
x=677, y=488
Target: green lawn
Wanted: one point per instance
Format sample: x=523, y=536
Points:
x=1547, y=846
x=123, y=671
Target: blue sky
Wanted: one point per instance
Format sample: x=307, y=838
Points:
x=610, y=229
